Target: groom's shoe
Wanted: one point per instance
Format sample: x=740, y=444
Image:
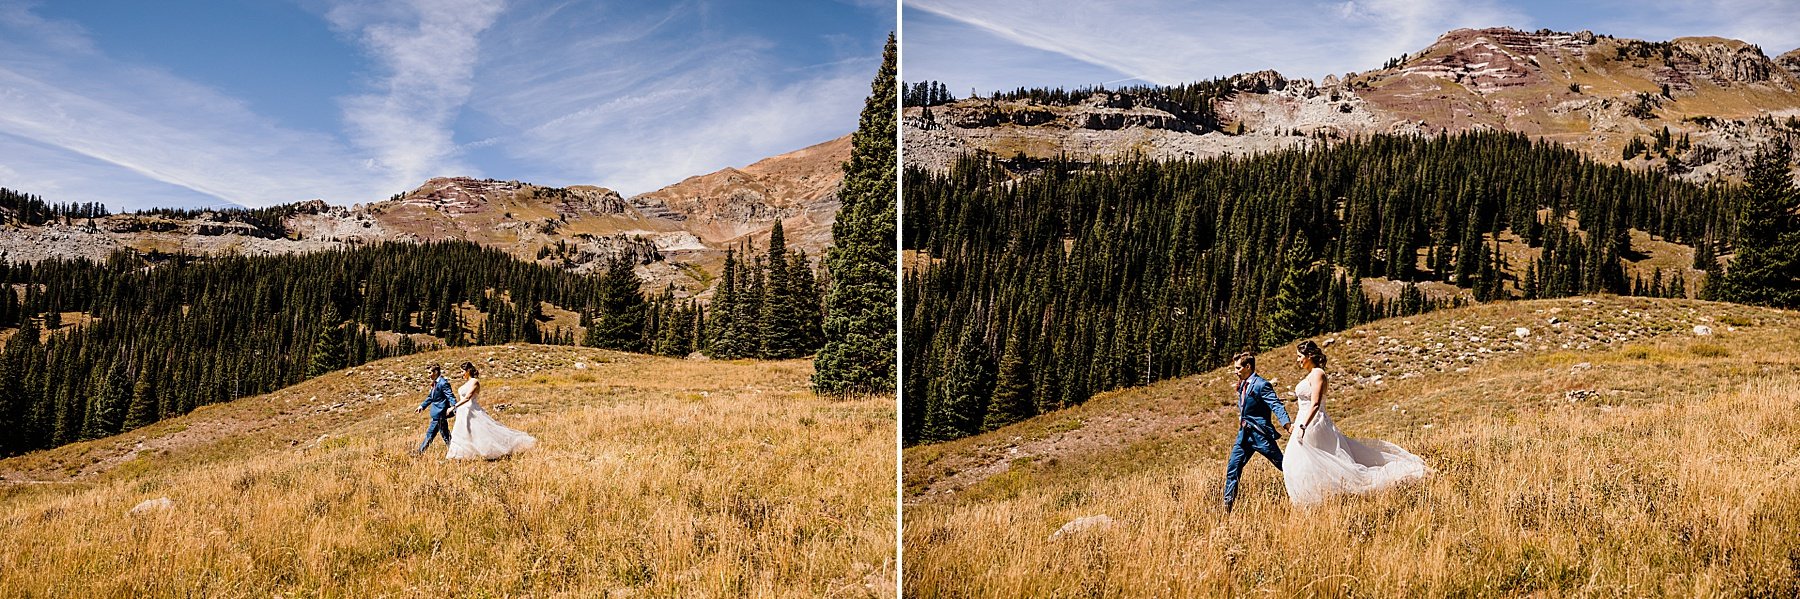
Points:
x=1227, y=508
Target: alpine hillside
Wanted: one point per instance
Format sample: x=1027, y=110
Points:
x=677, y=235
x=1692, y=106
x=1598, y=445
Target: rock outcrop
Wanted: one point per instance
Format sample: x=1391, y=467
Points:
x=1593, y=93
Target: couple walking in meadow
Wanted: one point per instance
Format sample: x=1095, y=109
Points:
x=475, y=433
x=1320, y=461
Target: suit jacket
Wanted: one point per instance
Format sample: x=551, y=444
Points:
x=1255, y=401
x=440, y=399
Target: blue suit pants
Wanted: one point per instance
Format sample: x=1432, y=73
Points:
x=438, y=424
x=1248, y=440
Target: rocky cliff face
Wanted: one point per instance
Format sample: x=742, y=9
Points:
x=1724, y=63
x=1790, y=62
x=1594, y=93
x=735, y=205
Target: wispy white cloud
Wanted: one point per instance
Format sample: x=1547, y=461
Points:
x=561, y=92
x=1772, y=24
x=60, y=93
x=1174, y=41
x=59, y=175
x=427, y=50
x=661, y=99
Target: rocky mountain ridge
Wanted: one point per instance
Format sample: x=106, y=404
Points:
x=669, y=232
x=1594, y=93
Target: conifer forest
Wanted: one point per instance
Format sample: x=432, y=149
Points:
x=102, y=348
x=1032, y=290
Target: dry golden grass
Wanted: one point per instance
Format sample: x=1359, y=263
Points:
x=652, y=477
x=1676, y=477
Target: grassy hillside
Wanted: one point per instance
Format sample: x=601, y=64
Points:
x=652, y=477
x=1611, y=451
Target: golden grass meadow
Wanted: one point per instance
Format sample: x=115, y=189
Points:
x=1620, y=453
x=652, y=477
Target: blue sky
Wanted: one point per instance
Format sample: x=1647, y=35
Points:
x=1003, y=44
x=258, y=102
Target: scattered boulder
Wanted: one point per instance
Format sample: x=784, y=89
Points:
x=1083, y=524
x=1521, y=332
x=1702, y=330
x=153, y=505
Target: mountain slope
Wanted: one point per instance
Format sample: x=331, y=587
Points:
x=688, y=224
x=1610, y=449
x=653, y=476
x=1594, y=93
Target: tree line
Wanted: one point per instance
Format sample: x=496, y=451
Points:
x=31, y=209
x=926, y=93
x=1032, y=294
x=161, y=335
x=768, y=306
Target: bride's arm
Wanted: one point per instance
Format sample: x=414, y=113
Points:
x=465, y=400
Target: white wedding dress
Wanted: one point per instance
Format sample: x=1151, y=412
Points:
x=477, y=435
x=1323, y=462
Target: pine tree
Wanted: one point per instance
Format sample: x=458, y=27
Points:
x=620, y=324
x=143, y=405
x=783, y=334
x=1012, y=392
x=858, y=356
x=1703, y=254
x=808, y=302
x=330, y=350
x=1412, y=301
x=750, y=309
x=1766, y=270
x=107, y=399
x=14, y=413
x=721, y=342
x=1293, y=313
x=962, y=393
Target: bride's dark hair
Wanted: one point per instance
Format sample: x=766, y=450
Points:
x=470, y=368
x=1312, y=352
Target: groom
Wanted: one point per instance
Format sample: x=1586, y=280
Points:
x=1256, y=398
x=439, y=401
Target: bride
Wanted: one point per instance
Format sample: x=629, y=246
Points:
x=476, y=434
x=1321, y=461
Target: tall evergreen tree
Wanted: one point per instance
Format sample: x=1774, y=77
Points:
x=620, y=323
x=721, y=331
x=858, y=356
x=14, y=413
x=1293, y=313
x=143, y=405
x=1012, y=390
x=1766, y=270
x=809, y=302
x=963, y=393
x=330, y=350
x=783, y=309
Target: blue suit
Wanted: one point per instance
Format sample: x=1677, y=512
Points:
x=439, y=402
x=1256, y=399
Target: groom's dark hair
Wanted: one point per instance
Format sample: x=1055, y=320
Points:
x=437, y=370
x=1245, y=358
